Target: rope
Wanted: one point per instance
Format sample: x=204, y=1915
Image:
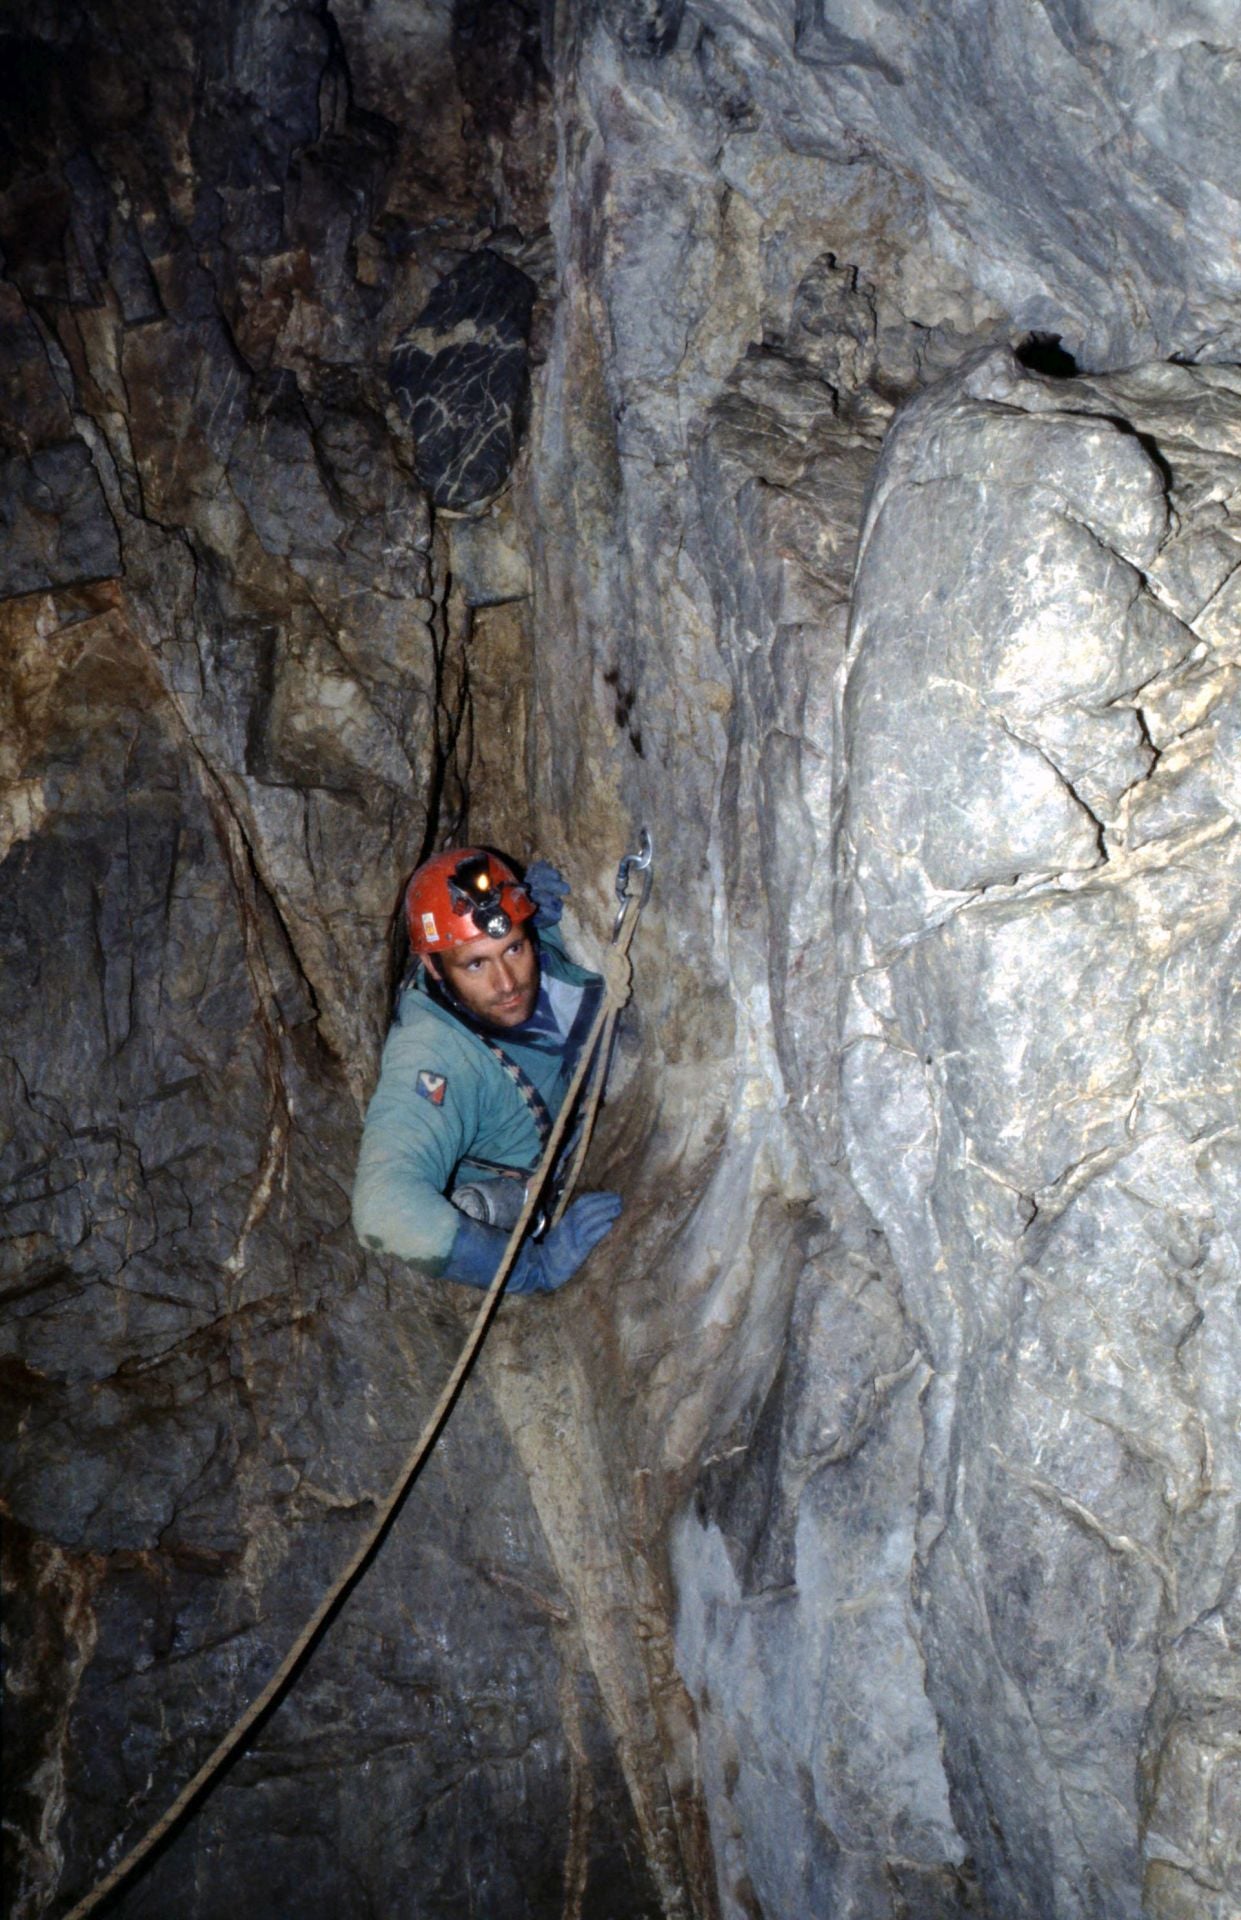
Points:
x=606, y=1020
x=617, y=978
x=618, y=958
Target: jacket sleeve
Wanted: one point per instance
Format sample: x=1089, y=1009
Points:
x=411, y=1144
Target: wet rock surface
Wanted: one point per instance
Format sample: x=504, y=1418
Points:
x=856, y=1536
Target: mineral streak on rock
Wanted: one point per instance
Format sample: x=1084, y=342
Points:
x=462, y=379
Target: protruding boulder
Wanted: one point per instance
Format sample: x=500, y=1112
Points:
x=461, y=378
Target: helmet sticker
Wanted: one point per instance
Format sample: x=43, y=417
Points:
x=432, y=1087
x=429, y=929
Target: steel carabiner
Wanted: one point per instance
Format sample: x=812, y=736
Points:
x=640, y=862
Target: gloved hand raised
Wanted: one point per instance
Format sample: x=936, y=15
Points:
x=549, y=889
x=542, y=1265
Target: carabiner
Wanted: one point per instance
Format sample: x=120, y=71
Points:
x=641, y=861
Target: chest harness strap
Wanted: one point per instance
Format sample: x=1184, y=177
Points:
x=525, y=1087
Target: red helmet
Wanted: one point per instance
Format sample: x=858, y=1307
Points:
x=461, y=895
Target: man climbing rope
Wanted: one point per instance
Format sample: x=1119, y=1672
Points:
x=488, y=1028
x=480, y=1062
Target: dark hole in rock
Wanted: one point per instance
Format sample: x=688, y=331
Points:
x=1043, y=353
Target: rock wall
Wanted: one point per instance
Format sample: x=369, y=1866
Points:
x=434, y=421
x=235, y=712
x=1039, y=1099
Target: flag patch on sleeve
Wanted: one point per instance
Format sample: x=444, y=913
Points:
x=431, y=1086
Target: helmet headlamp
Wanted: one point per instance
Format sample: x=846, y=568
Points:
x=476, y=891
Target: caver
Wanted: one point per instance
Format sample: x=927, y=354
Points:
x=488, y=1028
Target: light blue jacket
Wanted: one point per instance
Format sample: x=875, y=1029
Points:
x=444, y=1101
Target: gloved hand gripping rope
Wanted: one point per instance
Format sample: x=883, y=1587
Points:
x=580, y=1231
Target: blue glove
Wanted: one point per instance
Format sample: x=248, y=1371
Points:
x=542, y=1265
x=548, y=888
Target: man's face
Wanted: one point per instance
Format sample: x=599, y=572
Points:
x=495, y=980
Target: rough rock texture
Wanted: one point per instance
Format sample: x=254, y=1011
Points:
x=1075, y=158
x=230, y=718
x=857, y=1536
x=1040, y=1099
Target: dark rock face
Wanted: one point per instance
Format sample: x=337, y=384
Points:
x=856, y=1536
x=230, y=701
x=462, y=380
x=206, y=1385
x=56, y=526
